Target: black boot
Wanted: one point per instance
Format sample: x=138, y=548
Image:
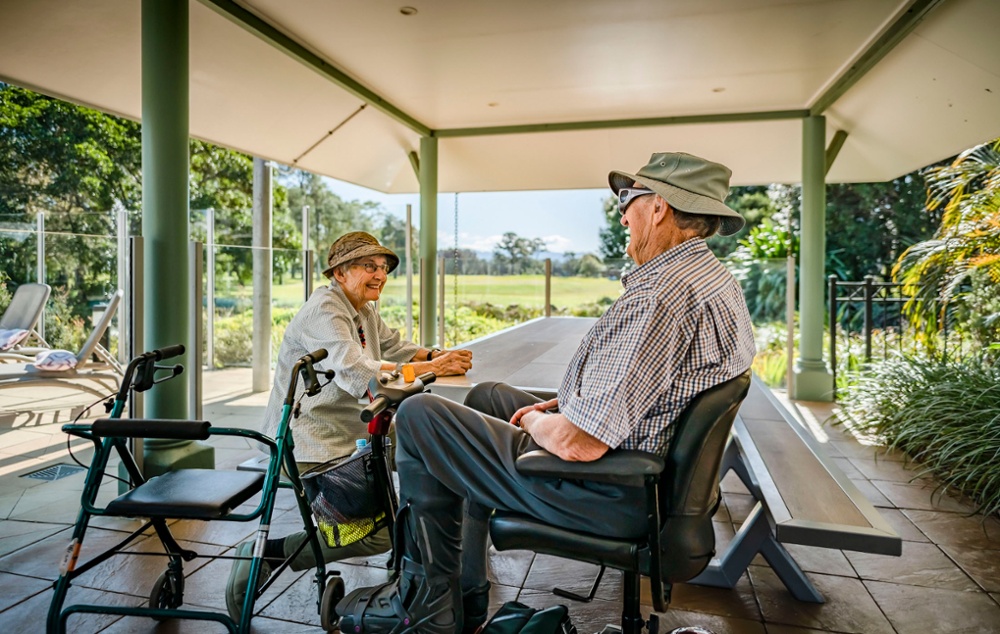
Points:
x=426, y=597
x=412, y=603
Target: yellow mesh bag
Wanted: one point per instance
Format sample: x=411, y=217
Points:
x=343, y=497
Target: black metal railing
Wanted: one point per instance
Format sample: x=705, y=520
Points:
x=873, y=311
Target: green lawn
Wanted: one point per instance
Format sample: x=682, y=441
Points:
x=503, y=290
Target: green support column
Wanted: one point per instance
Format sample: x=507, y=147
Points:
x=165, y=220
x=812, y=381
x=428, y=240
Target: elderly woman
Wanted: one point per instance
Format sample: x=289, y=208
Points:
x=339, y=317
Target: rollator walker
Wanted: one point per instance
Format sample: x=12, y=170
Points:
x=187, y=494
x=211, y=495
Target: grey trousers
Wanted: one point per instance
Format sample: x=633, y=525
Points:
x=471, y=450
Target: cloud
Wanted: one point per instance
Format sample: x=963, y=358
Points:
x=469, y=241
x=558, y=243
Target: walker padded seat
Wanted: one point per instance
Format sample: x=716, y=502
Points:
x=200, y=494
x=681, y=501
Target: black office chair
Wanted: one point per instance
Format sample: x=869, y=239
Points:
x=682, y=496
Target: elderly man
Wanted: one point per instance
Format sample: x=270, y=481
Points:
x=680, y=326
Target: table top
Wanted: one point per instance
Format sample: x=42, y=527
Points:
x=533, y=355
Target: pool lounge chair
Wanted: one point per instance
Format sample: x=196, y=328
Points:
x=19, y=323
x=95, y=370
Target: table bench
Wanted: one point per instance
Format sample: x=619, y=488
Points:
x=802, y=498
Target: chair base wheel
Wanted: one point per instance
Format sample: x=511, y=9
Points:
x=332, y=595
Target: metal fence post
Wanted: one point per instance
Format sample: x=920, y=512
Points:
x=196, y=255
x=409, y=272
x=944, y=328
x=548, y=287
x=136, y=333
x=832, y=280
x=441, y=282
x=210, y=289
x=40, y=262
x=123, y=322
x=307, y=271
x=307, y=266
x=869, y=325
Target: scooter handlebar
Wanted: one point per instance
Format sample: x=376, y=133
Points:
x=373, y=409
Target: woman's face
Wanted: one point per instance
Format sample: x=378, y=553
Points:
x=360, y=285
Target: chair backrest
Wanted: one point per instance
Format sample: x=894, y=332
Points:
x=689, y=486
x=25, y=307
x=83, y=357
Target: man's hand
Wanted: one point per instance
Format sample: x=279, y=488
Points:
x=537, y=407
x=558, y=435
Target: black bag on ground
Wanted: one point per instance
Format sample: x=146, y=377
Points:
x=517, y=618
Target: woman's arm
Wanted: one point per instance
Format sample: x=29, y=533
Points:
x=444, y=363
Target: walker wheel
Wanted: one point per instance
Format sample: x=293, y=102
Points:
x=332, y=595
x=167, y=592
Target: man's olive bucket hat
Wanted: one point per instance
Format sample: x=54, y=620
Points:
x=354, y=245
x=687, y=183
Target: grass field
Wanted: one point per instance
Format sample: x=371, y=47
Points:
x=502, y=290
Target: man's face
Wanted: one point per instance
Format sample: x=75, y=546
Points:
x=637, y=218
x=361, y=285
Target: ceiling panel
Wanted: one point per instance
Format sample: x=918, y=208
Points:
x=458, y=63
x=248, y=95
x=933, y=96
x=463, y=63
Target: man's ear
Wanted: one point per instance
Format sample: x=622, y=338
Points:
x=660, y=205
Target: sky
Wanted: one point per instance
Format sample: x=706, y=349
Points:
x=567, y=220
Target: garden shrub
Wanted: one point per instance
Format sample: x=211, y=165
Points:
x=234, y=336
x=945, y=415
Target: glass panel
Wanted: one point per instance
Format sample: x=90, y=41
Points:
x=233, y=306
x=80, y=264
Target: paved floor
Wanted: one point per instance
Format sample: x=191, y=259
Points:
x=947, y=580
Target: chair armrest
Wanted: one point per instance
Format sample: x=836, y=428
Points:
x=623, y=466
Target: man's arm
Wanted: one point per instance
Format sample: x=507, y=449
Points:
x=558, y=435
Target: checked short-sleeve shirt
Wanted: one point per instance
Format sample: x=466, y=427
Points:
x=680, y=327
x=331, y=421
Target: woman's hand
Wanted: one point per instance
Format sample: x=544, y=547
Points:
x=537, y=407
x=450, y=362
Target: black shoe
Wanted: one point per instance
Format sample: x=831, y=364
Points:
x=413, y=603
x=476, y=607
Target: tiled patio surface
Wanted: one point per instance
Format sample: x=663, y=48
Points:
x=947, y=580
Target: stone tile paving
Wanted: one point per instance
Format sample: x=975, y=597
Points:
x=947, y=580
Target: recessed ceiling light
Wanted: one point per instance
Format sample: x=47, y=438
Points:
x=408, y=10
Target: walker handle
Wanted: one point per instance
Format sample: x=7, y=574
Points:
x=169, y=352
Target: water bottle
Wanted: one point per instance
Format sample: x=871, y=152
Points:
x=359, y=446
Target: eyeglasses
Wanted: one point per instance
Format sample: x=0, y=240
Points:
x=371, y=267
x=627, y=194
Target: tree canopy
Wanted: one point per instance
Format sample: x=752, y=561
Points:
x=78, y=166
